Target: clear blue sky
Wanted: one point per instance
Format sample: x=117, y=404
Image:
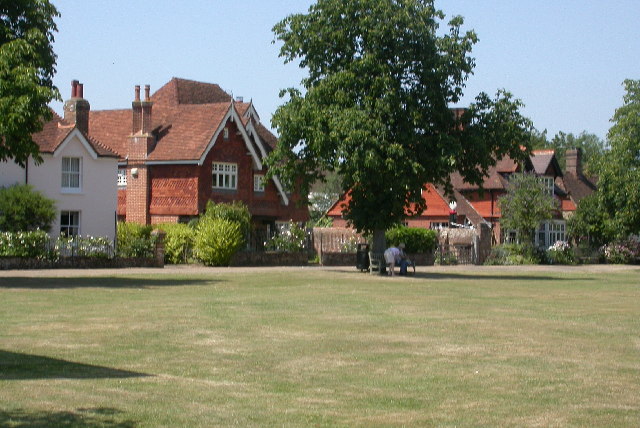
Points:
x=566, y=59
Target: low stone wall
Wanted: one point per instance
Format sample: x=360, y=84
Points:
x=338, y=259
x=269, y=258
x=422, y=259
x=8, y=263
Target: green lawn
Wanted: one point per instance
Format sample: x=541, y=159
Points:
x=322, y=347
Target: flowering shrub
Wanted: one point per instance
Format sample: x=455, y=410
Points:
x=83, y=246
x=24, y=244
x=560, y=253
x=291, y=239
x=622, y=252
x=350, y=245
x=514, y=254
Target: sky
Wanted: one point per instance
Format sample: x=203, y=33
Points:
x=565, y=59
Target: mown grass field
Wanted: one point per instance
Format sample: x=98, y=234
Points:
x=321, y=347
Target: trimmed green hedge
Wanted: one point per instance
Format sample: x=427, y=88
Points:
x=135, y=240
x=416, y=240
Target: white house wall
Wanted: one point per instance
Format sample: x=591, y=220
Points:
x=97, y=199
x=11, y=173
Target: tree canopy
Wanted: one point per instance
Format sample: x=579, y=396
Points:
x=525, y=205
x=27, y=66
x=375, y=106
x=593, y=148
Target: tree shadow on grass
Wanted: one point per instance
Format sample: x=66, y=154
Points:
x=98, y=281
x=484, y=277
x=19, y=366
x=95, y=417
x=467, y=276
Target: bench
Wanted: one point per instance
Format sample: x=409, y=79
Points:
x=377, y=263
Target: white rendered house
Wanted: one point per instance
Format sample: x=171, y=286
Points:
x=77, y=172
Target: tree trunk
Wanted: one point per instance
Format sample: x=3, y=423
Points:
x=379, y=243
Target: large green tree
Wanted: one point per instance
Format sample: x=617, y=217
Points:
x=375, y=107
x=619, y=184
x=526, y=204
x=27, y=66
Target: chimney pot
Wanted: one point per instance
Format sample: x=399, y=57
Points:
x=147, y=89
x=137, y=91
x=74, y=88
x=80, y=91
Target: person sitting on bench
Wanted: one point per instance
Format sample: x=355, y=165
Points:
x=393, y=256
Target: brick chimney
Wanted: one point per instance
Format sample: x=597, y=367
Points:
x=76, y=109
x=141, y=142
x=574, y=161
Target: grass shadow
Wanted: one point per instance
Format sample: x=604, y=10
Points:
x=19, y=366
x=94, y=417
x=481, y=277
x=466, y=276
x=98, y=281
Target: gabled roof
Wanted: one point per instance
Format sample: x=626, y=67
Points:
x=56, y=132
x=545, y=162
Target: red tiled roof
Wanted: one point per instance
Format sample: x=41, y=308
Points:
x=55, y=131
x=578, y=186
x=183, y=91
x=185, y=116
x=113, y=128
x=188, y=129
x=266, y=136
x=542, y=160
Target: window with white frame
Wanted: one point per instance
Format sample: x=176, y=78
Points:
x=439, y=225
x=258, y=183
x=548, y=184
x=122, y=177
x=551, y=232
x=70, y=223
x=71, y=173
x=225, y=175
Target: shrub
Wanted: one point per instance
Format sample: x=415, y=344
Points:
x=446, y=258
x=134, y=240
x=291, y=239
x=622, y=252
x=515, y=254
x=83, y=246
x=24, y=209
x=560, y=254
x=236, y=211
x=178, y=243
x=416, y=240
x=24, y=244
x=217, y=240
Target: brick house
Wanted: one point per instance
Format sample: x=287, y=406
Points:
x=475, y=206
x=77, y=172
x=188, y=143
